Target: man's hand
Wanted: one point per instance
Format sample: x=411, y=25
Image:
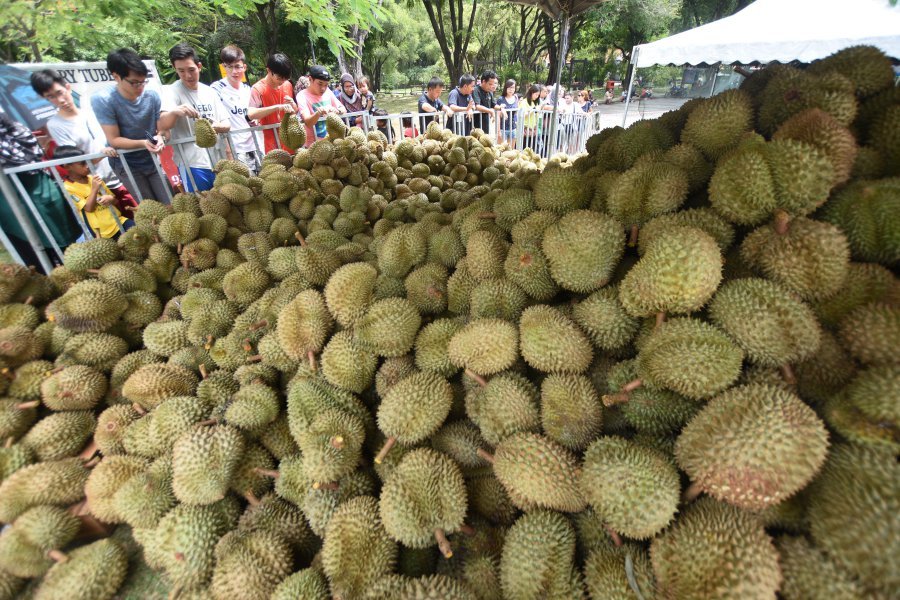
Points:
x=96, y=182
x=110, y=152
x=154, y=147
x=187, y=110
x=288, y=108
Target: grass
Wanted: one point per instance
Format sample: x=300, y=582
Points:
x=397, y=102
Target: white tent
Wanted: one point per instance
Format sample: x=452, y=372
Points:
x=780, y=30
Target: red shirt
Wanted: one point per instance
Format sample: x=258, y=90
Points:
x=262, y=95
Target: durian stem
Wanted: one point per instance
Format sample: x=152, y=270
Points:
x=782, y=222
x=467, y=529
x=787, y=372
x=616, y=538
x=209, y=342
x=207, y=422
x=633, y=236
x=327, y=485
x=388, y=444
x=57, y=370
x=443, y=543
x=57, y=556
x=487, y=215
x=111, y=426
x=9, y=442
x=259, y=325
x=93, y=271
x=178, y=248
x=202, y=369
x=93, y=462
x=29, y=300
x=300, y=239
x=138, y=409
x=660, y=319
x=255, y=358
x=312, y=360
x=475, y=376
x=337, y=442
x=691, y=493
x=27, y=405
x=89, y=451
x=251, y=498
x=247, y=345
x=267, y=473
x=485, y=455
x=632, y=385
x=6, y=372
x=175, y=593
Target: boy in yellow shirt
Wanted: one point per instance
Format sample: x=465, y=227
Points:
x=92, y=198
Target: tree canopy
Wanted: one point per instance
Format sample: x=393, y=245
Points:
x=394, y=42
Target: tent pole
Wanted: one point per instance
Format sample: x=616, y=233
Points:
x=563, y=42
x=712, y=87
x=634, y=58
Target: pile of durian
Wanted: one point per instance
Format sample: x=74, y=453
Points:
x=667, y=368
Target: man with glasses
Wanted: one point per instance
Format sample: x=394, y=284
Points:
x=128, y=114
x=272, y=96
x=185, y=101
x=235, y=95
x=316, y=102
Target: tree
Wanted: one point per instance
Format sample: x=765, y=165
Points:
x=328, y=20
x=623, y=24
x=453, y=30
x=37, y=30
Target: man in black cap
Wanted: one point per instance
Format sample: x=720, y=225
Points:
x=317, y=101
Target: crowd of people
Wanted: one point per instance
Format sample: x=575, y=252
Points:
x=129, y=124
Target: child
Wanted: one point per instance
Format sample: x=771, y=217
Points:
x=362, y=84
x=92, y=197
x=408, y=130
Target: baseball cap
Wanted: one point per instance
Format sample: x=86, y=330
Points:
x=319, y=72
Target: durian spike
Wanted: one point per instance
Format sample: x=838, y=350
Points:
x=787, y=372
x=312, y=360
x=300, y=239
x=57, y=555
x=633, y=236
x=485, y=455
x=27, y=405
x=691, y=493
x=255, y=358
x=478, y=378
x=467, y=529
x=267, y=472
x=202, y=369
x=138, y=408
x=388, y=444
x=782, y=222
x=337, y=442
x=443, y=543
x=616, y=538
x=660, y=319
x=327, y=485
x=251, y=498
x=259, y=325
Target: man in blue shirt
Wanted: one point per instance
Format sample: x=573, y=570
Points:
x=128, y=114
x=430, y=101
x=461, y=101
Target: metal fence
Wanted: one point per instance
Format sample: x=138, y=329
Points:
x=520, y=129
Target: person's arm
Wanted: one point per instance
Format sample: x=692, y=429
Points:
x=425, y=107
x=116, y=140
x=257, y=111
x=90, y=203
x=221, y=124
x=168, y=118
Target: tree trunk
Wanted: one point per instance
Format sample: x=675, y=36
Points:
x=267, y=15
x=552, y=47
